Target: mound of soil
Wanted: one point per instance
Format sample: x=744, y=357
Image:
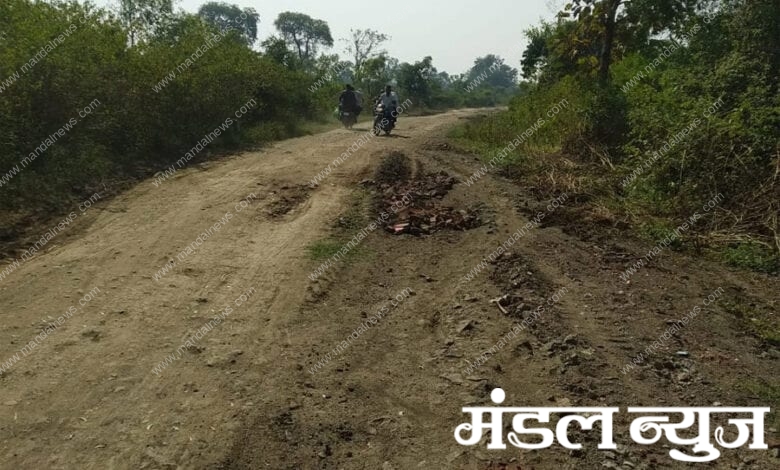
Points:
x=414, y=203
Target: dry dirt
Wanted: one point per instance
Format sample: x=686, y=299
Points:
x=244, y=396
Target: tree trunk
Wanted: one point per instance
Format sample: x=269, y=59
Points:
x=609, y=38
x=298, y=45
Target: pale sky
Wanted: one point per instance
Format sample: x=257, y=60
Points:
x=453, y=32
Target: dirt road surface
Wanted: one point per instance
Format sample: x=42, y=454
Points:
x=112, y=383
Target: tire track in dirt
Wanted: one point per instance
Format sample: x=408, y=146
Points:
x=87, y=394
x=244, y=398
x=393, y=398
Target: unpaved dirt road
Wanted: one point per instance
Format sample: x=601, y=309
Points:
x=105, y=388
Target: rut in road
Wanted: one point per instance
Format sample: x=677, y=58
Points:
x=87, y=392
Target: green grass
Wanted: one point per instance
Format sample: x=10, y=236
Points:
x=762, y=325
x=768, y=394
x=753, y=256
x=323, y=249
x=348, y=224
x=650, y=213
x=657, y=230
x=467, y=139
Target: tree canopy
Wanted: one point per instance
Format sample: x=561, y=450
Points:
x=226, y=17
x=142, y=17
x=364, y=44
x=303, y=33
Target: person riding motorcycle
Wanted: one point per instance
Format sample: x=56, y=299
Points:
x=389, y=100
x=349, y=102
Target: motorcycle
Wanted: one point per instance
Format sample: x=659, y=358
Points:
x=384, y=121
x=348, y=119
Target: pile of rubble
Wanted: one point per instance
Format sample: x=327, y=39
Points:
x=414, y=206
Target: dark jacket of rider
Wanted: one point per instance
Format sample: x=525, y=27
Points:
x=348, y=101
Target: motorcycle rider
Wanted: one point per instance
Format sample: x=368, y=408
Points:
x=348, y=101
x=389, y=100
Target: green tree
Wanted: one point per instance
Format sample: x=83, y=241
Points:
x=492, y=71
x=378, y=72
x=303, y=33
x=362, y=45
x=416, y=81
x=227, y=17
x=536, y=53
x=646, y=18
x=276, y=49
x=142, y=17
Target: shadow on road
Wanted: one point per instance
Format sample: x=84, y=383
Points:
x=368, y=129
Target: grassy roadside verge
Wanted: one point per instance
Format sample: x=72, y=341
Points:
x=21, y=228
x=550, y=162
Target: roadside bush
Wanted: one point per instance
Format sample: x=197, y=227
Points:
x=155, y=100
x=669, y=137
x=569, y=97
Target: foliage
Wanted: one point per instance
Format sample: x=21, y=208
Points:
x=141, y=17
x=363, y=45
x=600, y=19
x=134, y=130
x=157, y=82
x=525, y=110
x=711, y=67
x=536, y=53
x=303, y=33
x=416, y=81
x=495, y=72
x=752, y=255
x=376, y=73
x=226, y=17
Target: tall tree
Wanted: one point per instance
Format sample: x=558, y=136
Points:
x=364, y=44
x=303, y=33
x=416, y=80
x=141, y=17
x=225, y=17
x=377, y=72
x=493, y=72
x=646, y=17
x=536, y=52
